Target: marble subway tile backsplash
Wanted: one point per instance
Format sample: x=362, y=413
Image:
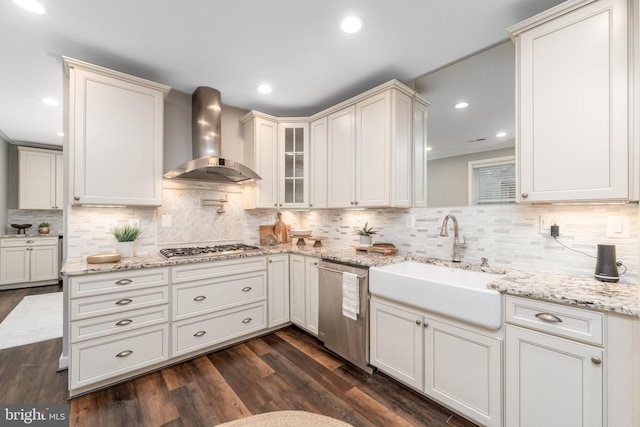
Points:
x=35, y=217
x=507, y=235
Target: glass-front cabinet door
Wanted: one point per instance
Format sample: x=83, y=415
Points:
x=294, y=165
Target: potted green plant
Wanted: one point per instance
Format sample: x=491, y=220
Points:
x=365, y=233
x=126, y=236
x=43, y=228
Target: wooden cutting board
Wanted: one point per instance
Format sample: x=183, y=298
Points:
x=280, y=230
x=264, y=232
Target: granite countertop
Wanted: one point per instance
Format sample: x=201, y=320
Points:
x=29, y=235
x=564, y=289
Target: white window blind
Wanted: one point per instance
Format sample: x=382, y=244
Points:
x=492, y=181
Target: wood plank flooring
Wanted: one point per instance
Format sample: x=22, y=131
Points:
x=286, y=370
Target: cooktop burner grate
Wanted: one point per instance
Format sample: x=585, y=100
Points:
x=207, y=250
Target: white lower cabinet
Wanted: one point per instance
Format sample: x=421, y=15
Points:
x=114, y=333
x=278, y=289
x=454, y=364
x=29, y=260
x=551, y=381
x=551, y=377
x=303, y=282
x=207, y=330
x=104, y=358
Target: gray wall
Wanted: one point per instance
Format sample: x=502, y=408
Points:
x=4, y=147
x=177, y=130
x=447, y=181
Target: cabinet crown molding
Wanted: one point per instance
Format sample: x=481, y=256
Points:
x=70, y=63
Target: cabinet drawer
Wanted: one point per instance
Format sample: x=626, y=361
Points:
x=205, y=296
x=14, y=242
x=100, y=359
x=209, y=270
x=82, y=330
x=83, y=308
x=569, y=322
x=203, y=331
x=98, y=284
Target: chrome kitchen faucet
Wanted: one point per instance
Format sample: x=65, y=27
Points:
x=455, y=255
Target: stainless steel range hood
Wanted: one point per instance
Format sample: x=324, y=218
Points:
x=206, y=113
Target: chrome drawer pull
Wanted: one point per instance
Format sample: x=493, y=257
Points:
x=247, y=289
x=124, y=353
x=200, y=298
x=124, y=281
x=29, y=241
x=247, y=320
x=124, y=322
x=548, y=317
x=199, y=333
x=596, y=360
x=124, y=301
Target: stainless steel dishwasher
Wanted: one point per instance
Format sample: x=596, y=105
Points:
x=346, y=337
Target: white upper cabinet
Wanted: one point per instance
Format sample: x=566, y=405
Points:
x=115, y=137
x=261, y=155
x=318, y=163
x=370, y=150
x=341, y=158
x=279, y=153
x=40, y=178
x=419, y=154
x=293, y=165
x=573, y=104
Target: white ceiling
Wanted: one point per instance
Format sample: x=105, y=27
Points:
x=296, y=46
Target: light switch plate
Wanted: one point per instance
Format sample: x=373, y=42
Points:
x=618, y=227
x=166, y=221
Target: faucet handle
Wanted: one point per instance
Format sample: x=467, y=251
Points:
x=462, y=244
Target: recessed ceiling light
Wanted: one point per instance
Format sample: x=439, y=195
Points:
x=352, y=24
x=50, y=101
x=31, y=5
x=265, y=89
x=461, y=105
x=501, y=134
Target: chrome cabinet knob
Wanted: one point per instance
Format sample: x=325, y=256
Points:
x=418, y=322
x=596, y=360
x=525, y=195
x=76, y=198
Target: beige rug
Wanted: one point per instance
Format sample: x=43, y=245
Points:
x=286, y=419
x=36, y=318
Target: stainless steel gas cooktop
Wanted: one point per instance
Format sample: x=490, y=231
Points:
x=207, y=250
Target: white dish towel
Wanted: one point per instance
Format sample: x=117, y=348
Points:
x=350, y=295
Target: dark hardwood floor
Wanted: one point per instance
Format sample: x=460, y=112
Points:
x=285, y=370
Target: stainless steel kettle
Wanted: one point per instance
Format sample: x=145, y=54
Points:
x=606, y=264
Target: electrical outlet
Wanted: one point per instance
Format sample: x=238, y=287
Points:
x=134, y=222
x=617, y=226
x=109, y=225
x=546, y=221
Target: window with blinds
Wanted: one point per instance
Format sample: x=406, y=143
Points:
x=492, y=181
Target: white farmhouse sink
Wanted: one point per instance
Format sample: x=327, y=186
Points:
x=453, y=292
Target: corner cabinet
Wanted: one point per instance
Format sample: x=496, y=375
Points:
x=114, y=136
x=574, y=109
x=369, y=150
x=40, y=178
x=279, y=153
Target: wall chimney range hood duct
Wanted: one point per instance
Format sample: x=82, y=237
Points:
x=206, y=115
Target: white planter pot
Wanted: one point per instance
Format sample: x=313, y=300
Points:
x=366, y=241
x=125, y=249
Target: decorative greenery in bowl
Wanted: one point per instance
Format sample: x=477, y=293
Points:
x=126, y=233
x=43, y=228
